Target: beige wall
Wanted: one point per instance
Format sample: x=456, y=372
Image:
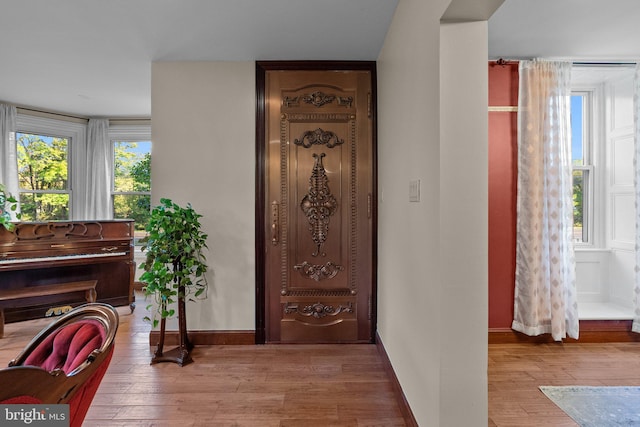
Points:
x=432, y=266
x=409, y=290
x=432, y=313
x=464, y=259
x=203, y=131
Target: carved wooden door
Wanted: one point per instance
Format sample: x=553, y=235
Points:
x=319, y=219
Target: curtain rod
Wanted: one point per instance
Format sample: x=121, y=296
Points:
x=49, y=114
x=77, y=118
x=604, y=64
x=503, y=62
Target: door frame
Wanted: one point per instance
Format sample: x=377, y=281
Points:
x=260, y=180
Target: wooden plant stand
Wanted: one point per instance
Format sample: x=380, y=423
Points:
x=181, y=354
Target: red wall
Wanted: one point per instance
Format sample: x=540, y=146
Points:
x=503, y=162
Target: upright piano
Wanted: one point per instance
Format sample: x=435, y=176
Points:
x=49, y=253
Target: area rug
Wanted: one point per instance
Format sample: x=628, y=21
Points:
x=597, y=406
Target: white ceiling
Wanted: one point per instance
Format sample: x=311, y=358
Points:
x=93, y=57
x=586, y=30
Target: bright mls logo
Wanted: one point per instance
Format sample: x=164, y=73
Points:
x=34, y=415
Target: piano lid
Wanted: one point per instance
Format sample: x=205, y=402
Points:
x=35, y=232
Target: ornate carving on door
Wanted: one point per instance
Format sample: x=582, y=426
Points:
x=318, y=137
x=318, y=272
x=319, y=203
x=317, y=99
x=318, y=310
x=317, y=206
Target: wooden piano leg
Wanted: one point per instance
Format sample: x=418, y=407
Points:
x=132, y=286
x=91, y=295
x=132, y=299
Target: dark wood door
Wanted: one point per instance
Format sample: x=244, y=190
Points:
x=318, y=203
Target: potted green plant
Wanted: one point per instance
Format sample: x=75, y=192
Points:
x=8, y=204
x=174, y=271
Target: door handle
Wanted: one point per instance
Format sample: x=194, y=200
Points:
x=275, y=222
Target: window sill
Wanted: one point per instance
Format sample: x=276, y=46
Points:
x=603, y=311
x=590, y=249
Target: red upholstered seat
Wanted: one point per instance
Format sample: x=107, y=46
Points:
x=21, y=400
x=65, y=362
x=67, y=347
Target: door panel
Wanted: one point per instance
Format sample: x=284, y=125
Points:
x=319, y=184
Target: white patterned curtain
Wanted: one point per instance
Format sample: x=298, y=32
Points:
x=545, y=288
x=636, y=163
x=98, y=170
x=8, y=151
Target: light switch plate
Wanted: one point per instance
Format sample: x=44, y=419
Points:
x=414, y=190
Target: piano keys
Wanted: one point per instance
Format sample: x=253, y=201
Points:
x=46, y=253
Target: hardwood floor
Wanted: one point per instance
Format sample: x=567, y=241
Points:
x=517, y=370
x=318, y=385
x=270, y=385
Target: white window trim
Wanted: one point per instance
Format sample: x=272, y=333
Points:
x=594, y=135
x=129, y=133
x=76, y=132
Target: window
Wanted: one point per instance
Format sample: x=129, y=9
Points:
x=43, y=174
x=581, y=155
x=53, y=169
x=131, y=179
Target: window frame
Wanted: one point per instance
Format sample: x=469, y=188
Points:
x=593, y=149
x=127, y=133
x=75, y=133
x=75, y=129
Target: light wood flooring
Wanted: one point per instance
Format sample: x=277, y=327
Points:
x=325, y=385
x=270, y=385
x=517, y=370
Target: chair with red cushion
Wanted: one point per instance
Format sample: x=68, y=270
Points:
x=65, y=362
